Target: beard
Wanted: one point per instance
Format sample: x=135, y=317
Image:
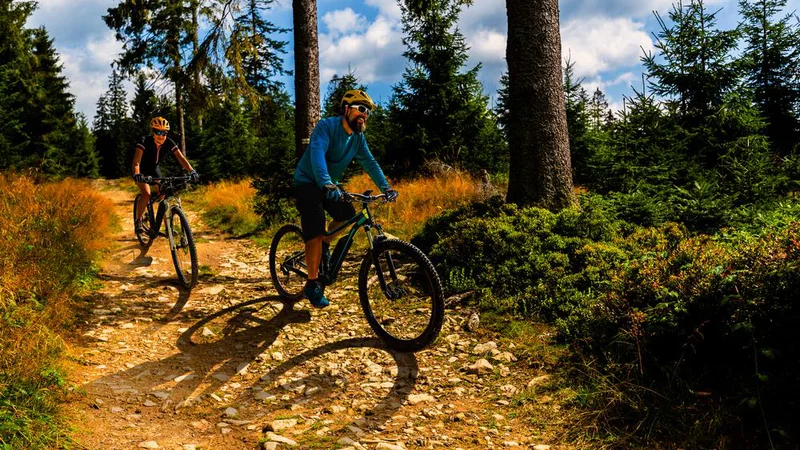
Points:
x=357, y=126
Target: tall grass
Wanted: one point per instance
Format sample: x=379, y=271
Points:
x=50, y=237
x=229, y=206
x=420, y=199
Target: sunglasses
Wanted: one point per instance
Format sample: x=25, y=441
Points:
x=361, y=108
x=159, y=133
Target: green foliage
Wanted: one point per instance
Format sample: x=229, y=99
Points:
x=40, y=129
x=654, y=314
x=229, y=148
x=439, y=109
x=771, y=61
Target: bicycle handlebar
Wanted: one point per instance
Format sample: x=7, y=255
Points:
x=350, y=197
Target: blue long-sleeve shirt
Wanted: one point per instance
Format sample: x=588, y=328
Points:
x=329, y=152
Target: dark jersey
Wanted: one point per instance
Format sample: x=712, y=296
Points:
x=152, y=154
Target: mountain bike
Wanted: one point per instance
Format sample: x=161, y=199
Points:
x=176, y=227
x=399, y=289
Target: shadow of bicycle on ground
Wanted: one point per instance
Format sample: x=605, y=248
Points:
x=227, y=359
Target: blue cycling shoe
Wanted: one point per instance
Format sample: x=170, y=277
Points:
x=314, y=292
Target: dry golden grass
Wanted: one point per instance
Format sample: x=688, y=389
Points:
x=420, y=199
x=229, y=206
x=50, y=235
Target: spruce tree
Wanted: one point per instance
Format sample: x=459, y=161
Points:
x=576, y=102
x=439, y=108
x=253, y=53
x=697, y=72
x=85, y=160
x=501, y=107
x=772, y=66
x=14, y=71
x=114, y=130
x=698, y=69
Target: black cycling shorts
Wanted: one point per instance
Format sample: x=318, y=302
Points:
x=312, y=204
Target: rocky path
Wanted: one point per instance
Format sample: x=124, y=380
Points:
x=229, y=365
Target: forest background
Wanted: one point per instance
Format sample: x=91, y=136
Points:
x=673, y=283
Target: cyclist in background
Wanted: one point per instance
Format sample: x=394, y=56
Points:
x=146, y=159
x=335, y=142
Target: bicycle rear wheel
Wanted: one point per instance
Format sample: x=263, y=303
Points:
x=181, y=245
x=401, y=295
x=144, y=235
x=287, y=262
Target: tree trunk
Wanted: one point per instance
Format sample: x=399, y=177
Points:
x=179, y=111
x=539, y=172
x=197, y=108
x=306, y=71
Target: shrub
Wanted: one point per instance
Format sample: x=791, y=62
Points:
x=50, y=236
x=230, y=206
x=654, y=316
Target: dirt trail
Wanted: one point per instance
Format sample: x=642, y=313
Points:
x=231, y=366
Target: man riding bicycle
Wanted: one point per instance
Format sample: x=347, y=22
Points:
x=146, y=159
x=335, y=142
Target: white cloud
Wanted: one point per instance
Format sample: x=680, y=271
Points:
x=487, y=46
x=601, y=44
x=374, y=55
x=389, y=9
x=344, y=21
x=87, y=68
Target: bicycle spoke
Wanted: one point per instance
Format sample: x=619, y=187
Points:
x=287, y=262
x=401, y=296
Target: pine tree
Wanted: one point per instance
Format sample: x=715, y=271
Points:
x=439, y=109
x=114, y=130
x=697, y=75
x=155, y=34
x=85, y=161
x=306, y=73
x=14, y=71
x=697, y=70
x=144, y=105
x=598, y=109
x=501, y=108
x=253, y=53
x=49, y=119
x=772, y=64
x=576, y=102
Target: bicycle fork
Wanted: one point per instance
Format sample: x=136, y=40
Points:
x=390, y=289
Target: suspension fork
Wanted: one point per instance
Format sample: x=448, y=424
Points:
x=377, y=261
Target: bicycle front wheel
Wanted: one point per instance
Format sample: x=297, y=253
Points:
x=287, y=262
x=181, y=245
x=144, y=235
x=401, y=295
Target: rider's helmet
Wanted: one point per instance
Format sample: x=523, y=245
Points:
x=160, y=127
x=357, y=97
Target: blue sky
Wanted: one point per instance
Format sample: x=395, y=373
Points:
x=604, y=38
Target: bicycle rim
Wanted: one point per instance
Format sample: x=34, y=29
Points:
x=406, y=311
x=184, y=253
x=287, y=262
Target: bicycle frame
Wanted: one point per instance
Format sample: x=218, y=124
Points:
x=165, y=199
x=362, y=219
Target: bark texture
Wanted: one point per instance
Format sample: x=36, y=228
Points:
x=306, y=71
x=539, y=173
